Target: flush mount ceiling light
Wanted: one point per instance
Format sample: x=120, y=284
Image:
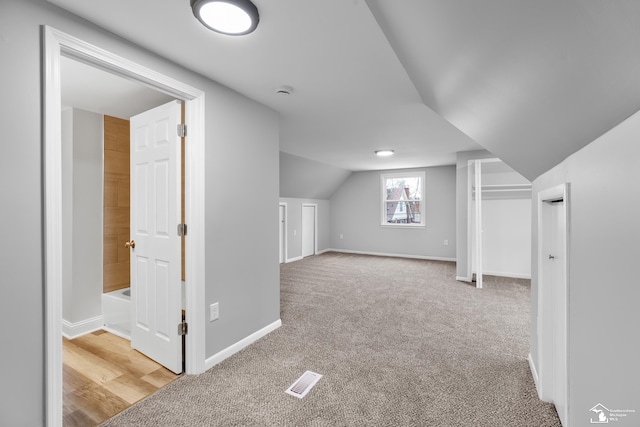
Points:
x=384, y=153
x=231, y=17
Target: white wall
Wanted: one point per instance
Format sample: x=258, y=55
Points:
x=82, y=166
x=303, y=178
x=294, y=225
x=355, y=213
x=245, y=155
x=506, y=237
x=604, y=231
x=506, y=223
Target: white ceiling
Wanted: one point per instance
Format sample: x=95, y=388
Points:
x=532, y=81
x=91, y=89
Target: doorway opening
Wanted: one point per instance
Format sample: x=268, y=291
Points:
x=58, y=45
x=309, y=230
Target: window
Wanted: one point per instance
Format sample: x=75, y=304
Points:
x=403, y=199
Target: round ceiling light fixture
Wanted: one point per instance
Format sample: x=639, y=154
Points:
x=384, y=153
x=230, y=17
x=284, y=90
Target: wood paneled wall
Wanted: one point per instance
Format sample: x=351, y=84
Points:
x=116, y=203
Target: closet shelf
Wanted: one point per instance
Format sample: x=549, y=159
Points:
x=504, y=191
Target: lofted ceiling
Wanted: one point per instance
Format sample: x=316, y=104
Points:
x=531, y=81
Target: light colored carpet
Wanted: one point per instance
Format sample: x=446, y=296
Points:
x=400, y=343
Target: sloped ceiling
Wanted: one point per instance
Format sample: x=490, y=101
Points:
x=307, y=179
x=531, y=81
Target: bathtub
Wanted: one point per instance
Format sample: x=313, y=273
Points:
x=116, y=312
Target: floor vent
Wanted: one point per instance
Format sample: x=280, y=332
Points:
x=301, y=387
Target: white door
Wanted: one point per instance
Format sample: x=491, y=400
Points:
x=557, y=265
x=281, y=232
x=155, y=213
x=553, y=298
x=308, y=230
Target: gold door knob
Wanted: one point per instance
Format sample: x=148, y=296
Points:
x=131, y=244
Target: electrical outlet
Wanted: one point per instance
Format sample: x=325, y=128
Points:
x=214, y=312
x=341, y=236
x=294, y=232
x=446, y=243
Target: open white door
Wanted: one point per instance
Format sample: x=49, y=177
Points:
x=156, y=256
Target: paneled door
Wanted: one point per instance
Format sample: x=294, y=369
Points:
x=155, y=244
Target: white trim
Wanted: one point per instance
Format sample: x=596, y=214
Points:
x=77, y=329
x=478, y=222
x=297, y=258
x=546, y=326
x=243, y=343
x=534, y=373
x=383, y=198
x=55, y=45
x=464, y=279
x=315, y=225
x=323, y=251
x=432, y=258
x=284, y=227
x=503, y=274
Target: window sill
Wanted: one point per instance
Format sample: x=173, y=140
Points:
x=405, y=226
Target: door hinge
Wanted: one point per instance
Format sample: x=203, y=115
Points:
x=182, y=130
x=182, y=229
x=182, y=328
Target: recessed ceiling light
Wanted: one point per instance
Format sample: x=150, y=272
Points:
x=384, y=153
x=231, y=17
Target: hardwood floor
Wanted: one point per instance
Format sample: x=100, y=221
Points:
x=102, y=376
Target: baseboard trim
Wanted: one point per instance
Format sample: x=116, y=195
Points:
x=431, y=258
x=298, y=258
x=534, y=374
x=233, y=349
x=323, y=251
x=510, y=275
x=464, y=279
x=77, y=329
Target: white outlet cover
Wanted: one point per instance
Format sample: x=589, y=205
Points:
x=214, y=312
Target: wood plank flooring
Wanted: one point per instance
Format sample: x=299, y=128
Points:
x=103, y=376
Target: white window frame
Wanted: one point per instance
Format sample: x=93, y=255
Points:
x=383, y=198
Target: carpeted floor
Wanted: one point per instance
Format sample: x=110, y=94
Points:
x=399, y=341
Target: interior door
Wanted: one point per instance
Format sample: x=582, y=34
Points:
x=308, y=230
x=156, y=255
x=558, y=285
x=281, y=232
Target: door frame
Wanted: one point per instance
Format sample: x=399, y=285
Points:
x=283, y=236
x=547, y=320
x=474, y=216
x=57, y=44
x=315, y=227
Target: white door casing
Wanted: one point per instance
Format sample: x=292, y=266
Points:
x=559, y=296
x=55, y=45
x=156, y=297
x=308, y=230
x=553, y=306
